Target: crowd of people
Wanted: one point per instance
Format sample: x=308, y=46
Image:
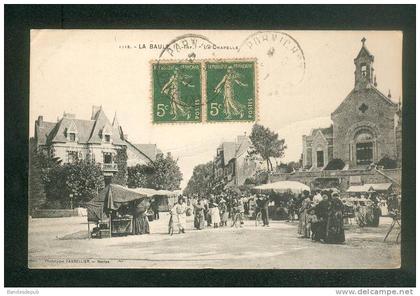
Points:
x=321, y=215
x=216, y=211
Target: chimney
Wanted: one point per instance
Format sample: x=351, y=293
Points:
x=40, y=120
x=69, y=115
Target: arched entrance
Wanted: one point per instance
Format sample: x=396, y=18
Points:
x=364, y=141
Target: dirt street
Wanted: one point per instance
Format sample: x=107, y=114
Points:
x=63, y=243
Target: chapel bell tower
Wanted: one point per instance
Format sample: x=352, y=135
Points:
x=364, y=74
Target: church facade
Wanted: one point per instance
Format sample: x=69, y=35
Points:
x=366, y=125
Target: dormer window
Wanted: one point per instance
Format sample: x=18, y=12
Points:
x=72, y=137
x=106, y=134
x=71, y=132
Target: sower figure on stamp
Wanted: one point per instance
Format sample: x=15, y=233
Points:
x=173, y=90
x=231, y=105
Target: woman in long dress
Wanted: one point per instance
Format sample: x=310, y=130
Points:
x=180, y=210
x=215, y=215
x=361, y=213
x=199, y=215
x=140, y=221
x=173, y=90
x=224, y=213
x=321, y=212
x=335, y=222
x=303, y=214
x=231, y=105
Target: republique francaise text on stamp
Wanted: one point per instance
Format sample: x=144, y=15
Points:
x=177, y=92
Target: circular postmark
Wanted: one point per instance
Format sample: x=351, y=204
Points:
x=177, y=78
x=281, y=60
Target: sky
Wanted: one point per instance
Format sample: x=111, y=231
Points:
x=72, y=70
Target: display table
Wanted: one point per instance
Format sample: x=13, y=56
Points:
x=122, y=226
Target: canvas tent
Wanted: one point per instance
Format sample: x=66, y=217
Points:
x=111, y=198
x=282, y=187
x=378, y=187
x=165, y=198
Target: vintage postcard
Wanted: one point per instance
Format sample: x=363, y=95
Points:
x=191, y=149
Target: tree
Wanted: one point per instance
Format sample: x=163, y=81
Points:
x=139, y=176
x=82, y=179
x=387, y=163
x=293, y=166
x=267, y=144
x=201, y=180
x=120, y=177
x=335, y=164
x=163, y=173
x=166, y=173
x=39, y=161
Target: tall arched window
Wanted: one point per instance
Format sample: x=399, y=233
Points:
x=364, y=147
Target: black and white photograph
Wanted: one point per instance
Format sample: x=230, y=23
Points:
x=168, y=148
x=318, y=171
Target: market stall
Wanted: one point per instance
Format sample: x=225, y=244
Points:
x=165, y=199
x=282, y=187
x=109, y=210
x=281, y=193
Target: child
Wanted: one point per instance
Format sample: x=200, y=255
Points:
x=171, y=225
x=312, y=223
x=215, y=215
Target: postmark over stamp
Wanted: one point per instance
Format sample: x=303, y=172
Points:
x=177, y=91
x=231, y=91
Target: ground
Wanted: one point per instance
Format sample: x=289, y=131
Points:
x=63, y=243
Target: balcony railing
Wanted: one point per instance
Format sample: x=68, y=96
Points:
x=109, y=167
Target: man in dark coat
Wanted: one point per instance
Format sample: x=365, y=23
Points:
x=264, y=209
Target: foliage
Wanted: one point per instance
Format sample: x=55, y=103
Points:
x=167, y=174
x=121, y=160
x=267, y=144
x=201, y=181
x=82, y=179
x=38, y=161
x=164, y=173
x=388, y=163
x=293, y=166
x=335, y=164
x=139, y=176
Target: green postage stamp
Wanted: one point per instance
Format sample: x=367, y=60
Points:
x=228, y=86
x=177, y=92
x=230, y=90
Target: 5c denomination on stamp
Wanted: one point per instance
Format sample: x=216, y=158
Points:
x=177, y=92
x=231, y=91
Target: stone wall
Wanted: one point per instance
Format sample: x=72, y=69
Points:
x=343, y=177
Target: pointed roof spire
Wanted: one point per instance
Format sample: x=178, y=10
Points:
x=115, y=122
x=363, y=41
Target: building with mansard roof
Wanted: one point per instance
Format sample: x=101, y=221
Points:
x=233, y=165
x=366, y=125
x=97, y=139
